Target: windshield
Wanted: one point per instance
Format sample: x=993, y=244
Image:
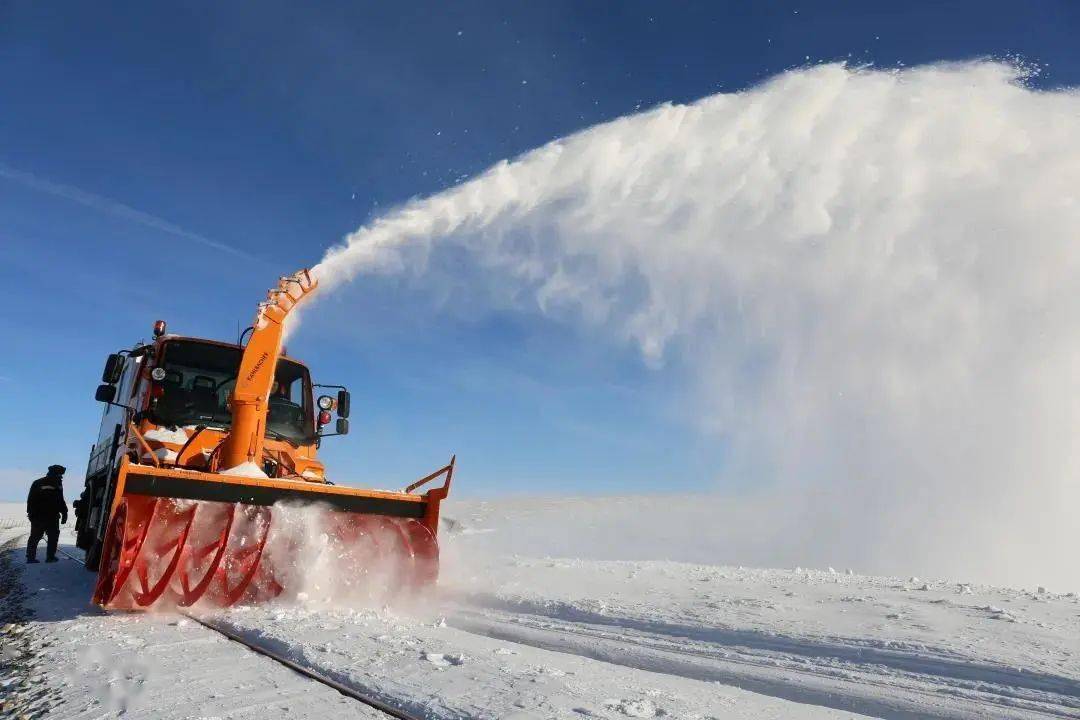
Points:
x=199, y=377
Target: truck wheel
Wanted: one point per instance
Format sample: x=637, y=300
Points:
x=93, y=556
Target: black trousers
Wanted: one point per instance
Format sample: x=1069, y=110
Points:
x=39, y=527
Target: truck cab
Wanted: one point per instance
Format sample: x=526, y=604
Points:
x=167, y=404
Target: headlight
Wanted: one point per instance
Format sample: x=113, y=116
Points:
x=326, y=402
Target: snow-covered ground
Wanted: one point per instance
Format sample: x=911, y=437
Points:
x=535, y=619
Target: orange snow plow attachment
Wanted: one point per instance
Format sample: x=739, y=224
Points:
x=178, y=537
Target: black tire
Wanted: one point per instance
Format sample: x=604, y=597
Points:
x=93, y=556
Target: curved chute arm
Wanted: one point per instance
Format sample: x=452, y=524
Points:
x=257, y=367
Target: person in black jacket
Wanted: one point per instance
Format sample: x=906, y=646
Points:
x=45, y=507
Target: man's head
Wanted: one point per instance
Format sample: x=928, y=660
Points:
x=57, y=471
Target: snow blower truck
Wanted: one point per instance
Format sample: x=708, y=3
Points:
x=202, y=444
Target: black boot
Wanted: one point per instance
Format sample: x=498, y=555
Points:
x=31, y=560
x=52, y=559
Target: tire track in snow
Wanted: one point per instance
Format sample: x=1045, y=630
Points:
x=924, y=661
x=861, y=687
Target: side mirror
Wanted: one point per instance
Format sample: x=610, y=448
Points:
x=342, y=426
x=343, y=405
x=105, y=393
x=113, y=367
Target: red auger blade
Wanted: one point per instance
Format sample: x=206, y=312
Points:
x=163, y=552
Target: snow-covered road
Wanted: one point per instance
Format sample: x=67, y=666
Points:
x=75, y=661
x=515, y=634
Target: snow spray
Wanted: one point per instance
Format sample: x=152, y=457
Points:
x=319, y=569
x=880, y=275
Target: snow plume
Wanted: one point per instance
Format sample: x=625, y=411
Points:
x=875, y=276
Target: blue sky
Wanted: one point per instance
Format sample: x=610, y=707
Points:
x=170, y=163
